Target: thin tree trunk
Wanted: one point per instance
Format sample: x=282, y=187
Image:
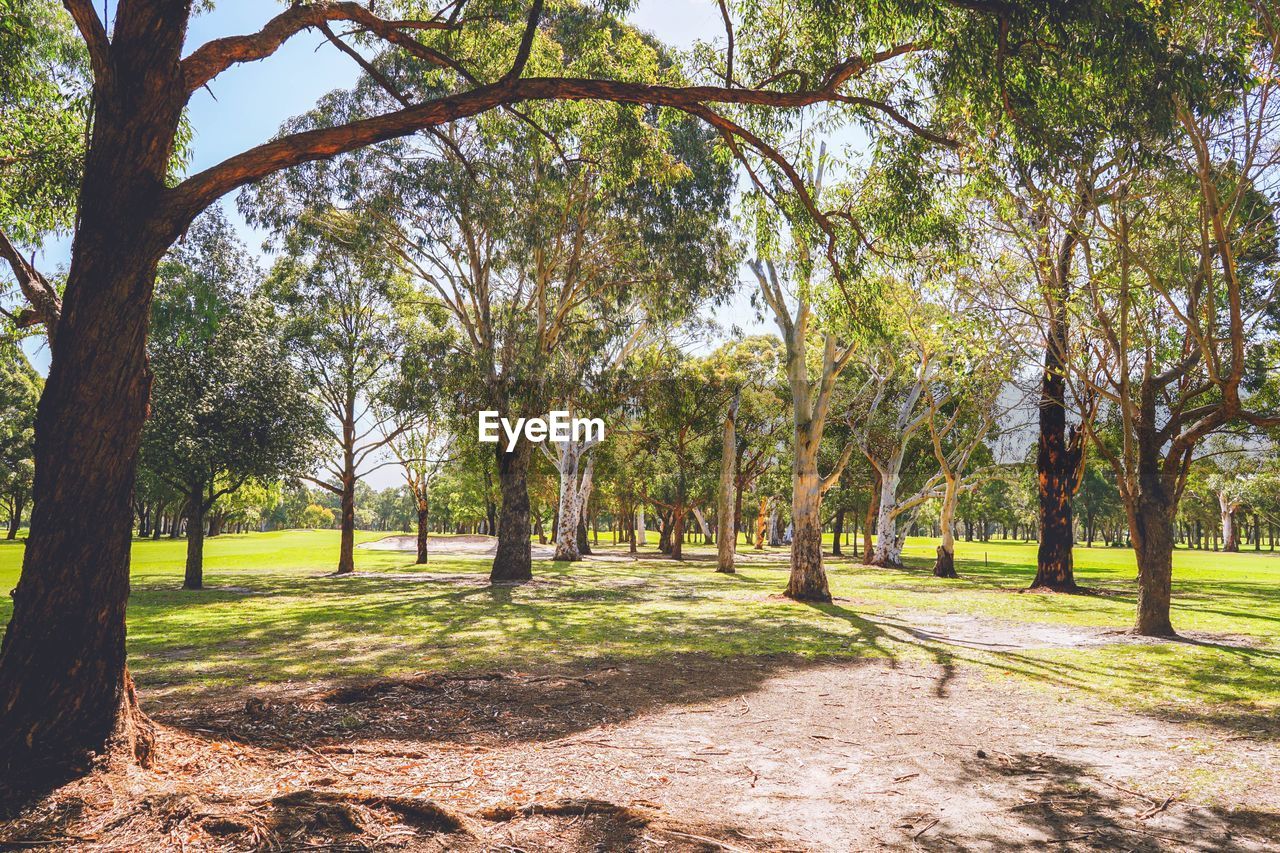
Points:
x=347, y=545
x=837, y=530
x=873, y=510
x=762, y=523
x=726, y=519
x=424, y=530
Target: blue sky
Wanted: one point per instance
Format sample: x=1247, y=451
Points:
x=247, y=104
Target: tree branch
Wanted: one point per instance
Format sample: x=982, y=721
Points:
x=94, y=35
x=212, y=58
x=200, y=190
x=46, y=306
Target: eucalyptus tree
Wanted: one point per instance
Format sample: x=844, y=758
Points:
x=751, y=367
x=20, y=387
x=62, y=667
x=680, y=401
x=1182, y=260
x=227, y=406
x=43, y=111
x=341, y=304
x=539, y=252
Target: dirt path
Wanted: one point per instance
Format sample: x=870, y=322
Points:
x=687, y=754
x=451, y=546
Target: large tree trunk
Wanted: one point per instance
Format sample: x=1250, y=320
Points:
x=887, y=550
x=1057, y=459
x=66, y=690
x=726, y=521
x=1153, y=545
x=194, y=577
x=808, y=580
x=513, y=559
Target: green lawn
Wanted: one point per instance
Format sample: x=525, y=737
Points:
x=275, y=614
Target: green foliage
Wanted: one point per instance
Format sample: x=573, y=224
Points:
x=43, y=114
x=20, y=388
x=227, y=406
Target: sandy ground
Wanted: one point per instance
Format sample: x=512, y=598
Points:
x=479, y=546
x=687, y=754
x=482, y=546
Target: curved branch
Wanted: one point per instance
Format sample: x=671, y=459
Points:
x=94, y=35
x=200, y=190
x=212, y=58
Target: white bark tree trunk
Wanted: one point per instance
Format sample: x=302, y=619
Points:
x=726, y=522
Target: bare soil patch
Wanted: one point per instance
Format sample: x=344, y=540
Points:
x=451, y=546
x=999, y=635
x=681, y=754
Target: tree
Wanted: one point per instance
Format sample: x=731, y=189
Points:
x=227, y=406
x=341, y=304
x=43, y=108
x=420, y=450
x=19, y=393
x=1181, y=289
x=811, y=402
x=65, y=644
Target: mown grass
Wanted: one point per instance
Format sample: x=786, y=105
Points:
x=274, y=613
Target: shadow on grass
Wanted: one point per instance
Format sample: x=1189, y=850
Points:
x=1068, y=805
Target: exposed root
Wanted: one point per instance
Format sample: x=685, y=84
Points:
x=344, y=810
x=570, y=808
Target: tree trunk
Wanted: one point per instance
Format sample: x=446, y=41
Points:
x=567, y=517
x=762, y=523
x=347, y=546
x=1057, y=461
x=837, y=530
x=1153, y=545
x=873, y=509
x=15, y=520
x=640, y=531
x=513, y=560
x=887, y=551
x=1230, y=536
x=67, y=692
x=194, y=578
x=808, y=580
x=676, y=526
x=726, y=521
x=945, y=565
x=424, y=553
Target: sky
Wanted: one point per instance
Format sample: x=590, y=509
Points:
x=246, y=105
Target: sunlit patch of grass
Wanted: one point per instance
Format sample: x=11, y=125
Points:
x=274, y=612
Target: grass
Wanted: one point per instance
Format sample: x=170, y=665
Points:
x=275, y=614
